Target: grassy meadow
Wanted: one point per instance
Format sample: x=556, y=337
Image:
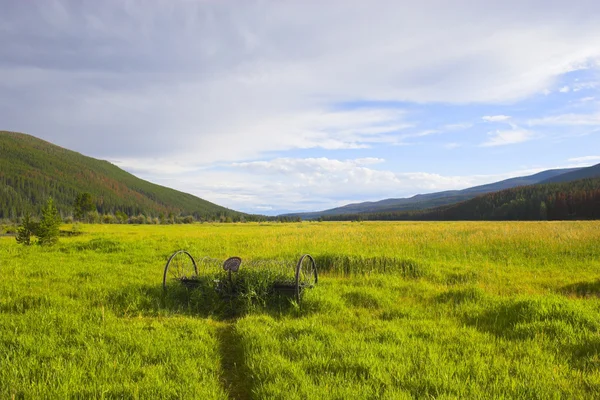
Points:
x=402, y=310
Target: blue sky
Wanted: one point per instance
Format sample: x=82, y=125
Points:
x=269, y=106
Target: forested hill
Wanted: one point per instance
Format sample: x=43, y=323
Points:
x=31, y=170
x=438, y=199
x=553, y=201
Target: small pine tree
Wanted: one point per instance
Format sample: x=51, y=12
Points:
x=84, y=204
x=24, y=231
x=49, y=228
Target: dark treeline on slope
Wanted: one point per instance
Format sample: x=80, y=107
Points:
x=576, y=200
x=439, y=199
x=32, y=170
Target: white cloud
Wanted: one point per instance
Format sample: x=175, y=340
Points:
x=506, y=137
x=568, y=120
x=173, y=89
x=310, y=184
x=317, y=183
x=585, y=85
x=585, y=159
x=564, y=89
x=245, y=78
x=495, y=118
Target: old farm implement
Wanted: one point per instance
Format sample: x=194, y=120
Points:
x=282, y=277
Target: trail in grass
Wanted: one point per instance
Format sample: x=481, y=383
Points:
x=234, y=374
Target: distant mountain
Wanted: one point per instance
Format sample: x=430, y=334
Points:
x=573, y=200
x=582, y=173
x=430, y=200
x=31, y=170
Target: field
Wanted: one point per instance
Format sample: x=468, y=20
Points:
x=402, y=310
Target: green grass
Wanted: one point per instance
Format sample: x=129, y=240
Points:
x=402, y=310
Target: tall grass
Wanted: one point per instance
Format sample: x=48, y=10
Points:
x=402, y=310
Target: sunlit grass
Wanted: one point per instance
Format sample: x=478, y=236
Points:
x=455, y=310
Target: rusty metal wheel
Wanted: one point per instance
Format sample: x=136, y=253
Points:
x=180, y=267
x=306, y=274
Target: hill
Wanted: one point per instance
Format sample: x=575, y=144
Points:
x=582, y=173
x=31, y=170
x=425, y=201
x=576, y=200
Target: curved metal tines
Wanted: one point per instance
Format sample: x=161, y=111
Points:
x=209, y=260
x=284, y=265
x=209, y=265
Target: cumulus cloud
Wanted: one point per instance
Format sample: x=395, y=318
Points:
x=305, y=184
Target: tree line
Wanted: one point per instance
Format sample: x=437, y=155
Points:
x=84, y=210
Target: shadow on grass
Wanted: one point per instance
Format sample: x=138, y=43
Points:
x=558, y=322
x=207, y=299
x=462, y=295
x=234, y=370
x=552, y=317
x=586, y=353
x=582, y=289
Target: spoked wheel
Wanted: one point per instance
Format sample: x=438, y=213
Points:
x=306, y=274
x=182, y=268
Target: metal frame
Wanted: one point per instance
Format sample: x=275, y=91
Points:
x=232, y=264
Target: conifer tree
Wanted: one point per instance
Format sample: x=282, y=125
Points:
x=84, y=203
x=24, y=231
x=49, y=228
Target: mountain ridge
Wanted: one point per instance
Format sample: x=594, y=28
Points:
x=581, y=173
x=436, y=199
x=571, y=200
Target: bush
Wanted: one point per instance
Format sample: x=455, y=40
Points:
x=92, y=217
x=108, y=219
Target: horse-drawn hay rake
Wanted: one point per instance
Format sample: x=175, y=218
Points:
x=182, y=269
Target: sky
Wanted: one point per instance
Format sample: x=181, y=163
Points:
x=281, y=106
